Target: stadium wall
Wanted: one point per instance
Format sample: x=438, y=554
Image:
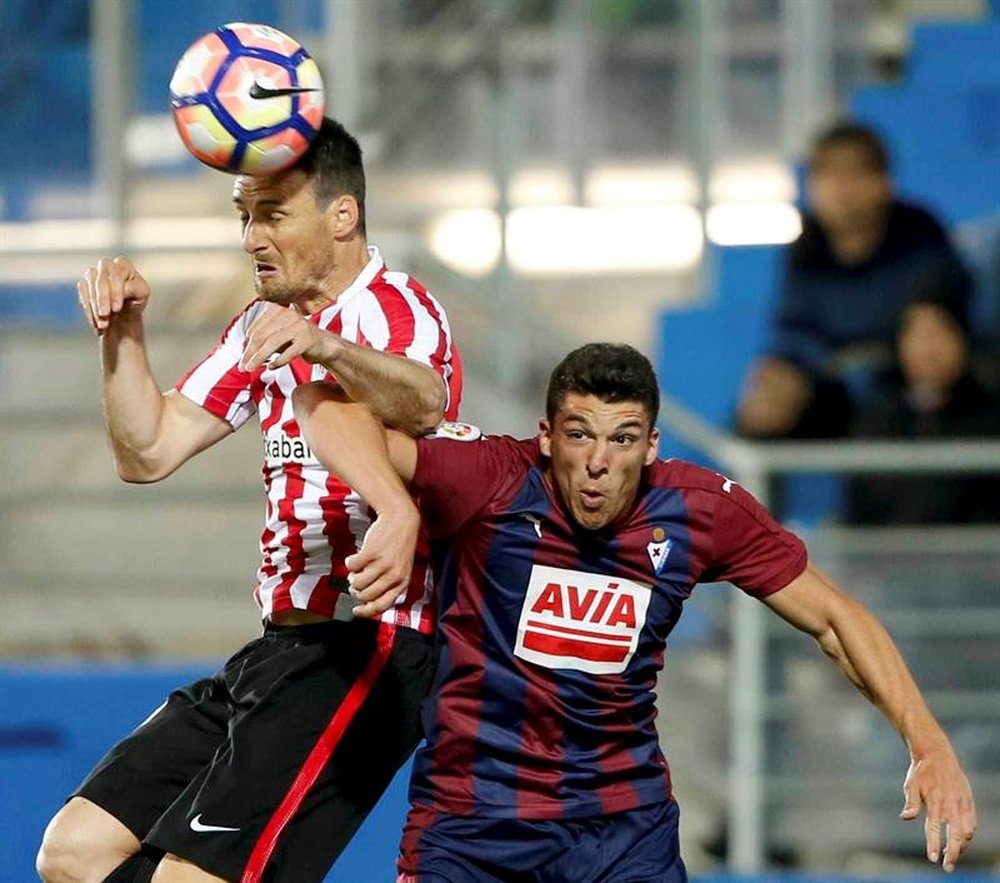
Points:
x=57, y=721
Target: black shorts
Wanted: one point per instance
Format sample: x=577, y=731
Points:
x=264, y=771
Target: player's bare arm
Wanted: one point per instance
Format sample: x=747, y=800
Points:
x=151, y=434
x=863, y=650
x=354, y=445
x=403, y=393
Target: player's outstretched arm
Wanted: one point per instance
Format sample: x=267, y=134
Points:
x=354, y=445
x=151, y=434
x=851, y=636
x=403, y=393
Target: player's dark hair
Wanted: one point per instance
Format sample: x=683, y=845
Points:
x=853, y=134
x=613, y=372
x=333, y=161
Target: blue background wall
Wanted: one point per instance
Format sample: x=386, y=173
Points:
x=56, y=722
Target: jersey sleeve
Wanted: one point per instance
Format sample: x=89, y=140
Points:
x=456, y=479
x=403, y=318
x=750, y=549
x=796, y=333
x=216, y=383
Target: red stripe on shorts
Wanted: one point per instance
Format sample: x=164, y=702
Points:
x=319, y=756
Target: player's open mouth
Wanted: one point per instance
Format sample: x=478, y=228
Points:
x=264, y=269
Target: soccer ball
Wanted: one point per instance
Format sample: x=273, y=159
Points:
x=247, y=99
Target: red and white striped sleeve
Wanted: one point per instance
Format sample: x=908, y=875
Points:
x=400, y=316
x=216, y=383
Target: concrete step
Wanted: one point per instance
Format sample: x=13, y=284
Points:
x=149, y=539
x=59, y=371
x=112, y=619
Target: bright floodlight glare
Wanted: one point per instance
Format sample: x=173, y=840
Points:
x=770, y=223
x=467, y=240
x=587, y=241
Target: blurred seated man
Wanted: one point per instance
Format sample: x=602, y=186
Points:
x=861, y=257
x=934, y=395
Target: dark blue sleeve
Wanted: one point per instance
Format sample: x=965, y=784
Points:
x=796, y=334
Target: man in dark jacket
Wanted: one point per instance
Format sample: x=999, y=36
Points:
x=861, y=257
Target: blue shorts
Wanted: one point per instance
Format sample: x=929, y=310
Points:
x=638, y=846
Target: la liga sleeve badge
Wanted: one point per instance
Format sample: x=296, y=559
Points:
x=456, y=431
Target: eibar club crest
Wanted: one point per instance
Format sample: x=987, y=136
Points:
x=658, y=549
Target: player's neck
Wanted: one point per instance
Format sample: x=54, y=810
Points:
x=352, y=259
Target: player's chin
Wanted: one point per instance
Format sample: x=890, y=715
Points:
x=591, y=519
x=272, y=292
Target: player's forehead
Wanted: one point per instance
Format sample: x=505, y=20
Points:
x=595, y=413
x=281, y=189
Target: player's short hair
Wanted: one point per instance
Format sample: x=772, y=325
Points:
x=854, y=134
x=333, y=161
x=613, y=372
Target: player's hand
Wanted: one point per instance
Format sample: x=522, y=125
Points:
x=110, y=289
x=936, y=783
x=279, y=334
x=380, y=571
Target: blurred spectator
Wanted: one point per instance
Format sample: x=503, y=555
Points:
x=861, y=257
x=933, y=396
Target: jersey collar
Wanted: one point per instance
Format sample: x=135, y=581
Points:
x=361, y=282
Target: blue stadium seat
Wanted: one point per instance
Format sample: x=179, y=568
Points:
x=955, y=54
x=932, y=120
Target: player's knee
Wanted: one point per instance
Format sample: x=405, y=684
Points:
x=62, y=857
x=73, y=851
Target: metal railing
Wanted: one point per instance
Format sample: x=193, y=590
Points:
x=753, y=464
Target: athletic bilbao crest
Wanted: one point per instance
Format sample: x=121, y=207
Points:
x=658, y=549
x=582, y=621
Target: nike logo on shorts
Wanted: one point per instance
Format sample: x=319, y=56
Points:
x=198, y=826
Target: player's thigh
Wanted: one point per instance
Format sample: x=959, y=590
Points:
x=327, y=715
x=142, y=775
x=82, y=839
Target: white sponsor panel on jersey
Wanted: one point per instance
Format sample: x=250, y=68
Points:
x=573, y=619
x=281, y=448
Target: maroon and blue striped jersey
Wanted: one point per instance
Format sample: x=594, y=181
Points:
x=552, y=636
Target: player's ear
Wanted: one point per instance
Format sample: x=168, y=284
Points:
x=342, y=214
x=545, y=437
x=654, y=446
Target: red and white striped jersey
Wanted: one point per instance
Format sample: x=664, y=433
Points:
x=313, y=521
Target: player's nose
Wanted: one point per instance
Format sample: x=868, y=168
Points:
x=253, y=239
x=597, y=461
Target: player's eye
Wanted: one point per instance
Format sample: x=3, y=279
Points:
x=276, y=216
x=576, y=434
x=625, y=440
